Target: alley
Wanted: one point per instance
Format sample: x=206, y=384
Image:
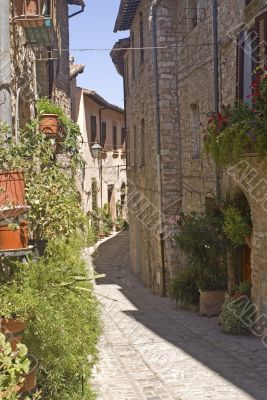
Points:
x=150, y=351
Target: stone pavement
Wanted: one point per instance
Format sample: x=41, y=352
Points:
x=150, y=351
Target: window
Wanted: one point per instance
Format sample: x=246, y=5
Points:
x=103, y=134
x=247, y=59
x=129, y=149
x=141, y=28
x=133, y=55
x=142, y=143
x=192, y=13
x=114, y=135
x=195, y=136
x=134, y=147
x=93, y=128
x=126, y=76
x=261, y=29
x=123, y=136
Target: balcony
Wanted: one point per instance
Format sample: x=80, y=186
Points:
x=38, y=19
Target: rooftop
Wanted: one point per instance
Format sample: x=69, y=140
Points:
x=118, y=52
x=76, y=69
x=126, y=14
x=77, y=2
x=101, y=101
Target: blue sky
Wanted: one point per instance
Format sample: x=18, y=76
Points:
x=94, y=29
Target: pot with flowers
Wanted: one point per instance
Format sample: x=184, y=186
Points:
x=240, y=128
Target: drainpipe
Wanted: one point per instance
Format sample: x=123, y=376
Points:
x=158, y=132
x=5, y=65
x=216, y=80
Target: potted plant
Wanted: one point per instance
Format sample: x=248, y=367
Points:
x=201, y=238
x=28, y=14
x=13, y=366
x=183, y=289
x=30, y=376
x=14, y=236
x=49, y=114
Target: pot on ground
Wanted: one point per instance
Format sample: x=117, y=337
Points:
x=39, y=246
x=211, y=302
x=14, y=239
x=30, y=381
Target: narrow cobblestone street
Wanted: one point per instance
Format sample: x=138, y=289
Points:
x=150, y=351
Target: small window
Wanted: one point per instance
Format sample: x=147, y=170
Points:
x=133, y=55
x=141, y=27
x=142, y=143
x=93, y=129
x=123, y=136
x=134, y=150
x=103, y=134
x=114, y=137
x=195, y=134
x=192, y=13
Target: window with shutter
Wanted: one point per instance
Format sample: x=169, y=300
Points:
x=93, y=129
x=114, y=137
x=261, y=28
x=103, y=134
x=240, y=66
x=123, y=136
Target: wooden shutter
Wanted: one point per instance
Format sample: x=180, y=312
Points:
x=103, y=134
x=240, y=67
x=261, y=27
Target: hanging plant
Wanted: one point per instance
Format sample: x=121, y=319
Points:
x=240, y=129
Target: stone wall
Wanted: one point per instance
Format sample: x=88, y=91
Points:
x=144, y=208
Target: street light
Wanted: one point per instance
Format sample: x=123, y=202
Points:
x=96, y=150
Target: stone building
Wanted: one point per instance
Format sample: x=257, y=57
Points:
x=170, y=86
x=103, y=180
x=39, y=53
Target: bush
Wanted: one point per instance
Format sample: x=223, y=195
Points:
x=237, y=315
x=183, y=289
x=236, y=227
x=202, y=240
x=64, y=323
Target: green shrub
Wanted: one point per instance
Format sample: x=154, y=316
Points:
x=237, y=315
x=64, y=322
x=236, y=227
x=202, y=240
x=183, y=288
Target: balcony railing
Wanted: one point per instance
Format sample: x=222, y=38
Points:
x=38, y=19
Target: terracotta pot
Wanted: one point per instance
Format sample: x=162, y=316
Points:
x=102, y=235
x=13, y=329
x=12, y=188
x=14, y=239
x=31, y=378
x=211, y=302
x=49, y=125
x=26, y=7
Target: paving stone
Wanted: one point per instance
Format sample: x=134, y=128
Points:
x=151, y=351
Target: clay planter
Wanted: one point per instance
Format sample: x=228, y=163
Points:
x=13, y=329
x=12, y=188
x=211, y=302
x=49, y=125
x=27, y=13
x=31, y=378
x=14, y=239
x=102, y=235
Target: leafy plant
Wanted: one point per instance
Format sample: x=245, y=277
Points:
x=236, y=226
x=72, y=131
x=237, y=315
x=240, y=128
x=64, y=328
x=183, y=288
x=202, y=239
x=12, y=366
